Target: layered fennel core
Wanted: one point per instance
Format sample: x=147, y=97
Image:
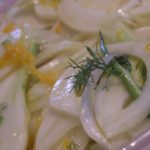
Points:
x=18, y=55
x=117, y=66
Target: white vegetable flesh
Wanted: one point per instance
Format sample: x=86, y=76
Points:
x=103, y=113
x=13, y=130
x=62, y=98
x=76, y=135
x=114, y=124
x=83, y=19
x=45, y=12
x=60, y=48
x=54, y=126
x=110, y=99
x=105, y=119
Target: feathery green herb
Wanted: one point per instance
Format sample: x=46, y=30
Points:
x=85, y=69
x=117, y=66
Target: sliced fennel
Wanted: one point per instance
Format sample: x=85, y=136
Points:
x=143, y=34
x=89, y=123
x=57, y=64
x=38, y=105
x=53, y=128
x=119, y=122
x=37, y=97
x=45, y=12
x=37, y=91
x=13, y=129
x=83, y=19
x=135, y=13
x=62, y=98
x=139, y=129
x=60, y=48
x=76, y=138
x=100, y=4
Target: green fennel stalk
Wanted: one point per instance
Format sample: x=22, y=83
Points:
x=127, y=80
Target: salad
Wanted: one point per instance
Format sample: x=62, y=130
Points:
x=74, y=75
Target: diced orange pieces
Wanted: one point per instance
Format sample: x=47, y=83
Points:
x=18, y=55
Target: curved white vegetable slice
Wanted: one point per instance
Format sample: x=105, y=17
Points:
x=128, y=117
x=45, y=12
x=61, y=48
x=100, y=4
x=58, y=65
x=75, y=137
x=13, y=128
x=54, y=126
x=79, y=137
x=143, y=34
x=83, y=19
x=109, y=98
x=139, y=129
x=88, y=120
x=62, y=98
x=136, y=12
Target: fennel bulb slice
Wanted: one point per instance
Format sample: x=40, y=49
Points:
x=64, y=48
x=76, y=138
x=53, y=127
x=121, y=119
x=62, y=98
x=13, y=128
x=83, y=19
x=45, y=12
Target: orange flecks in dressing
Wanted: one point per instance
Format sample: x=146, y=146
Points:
x=9, y=27
x=18, y=55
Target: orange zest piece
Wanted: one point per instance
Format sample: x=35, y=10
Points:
x=18, y=55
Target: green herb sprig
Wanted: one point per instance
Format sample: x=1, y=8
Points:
x=85, y=69
x=118, y=66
